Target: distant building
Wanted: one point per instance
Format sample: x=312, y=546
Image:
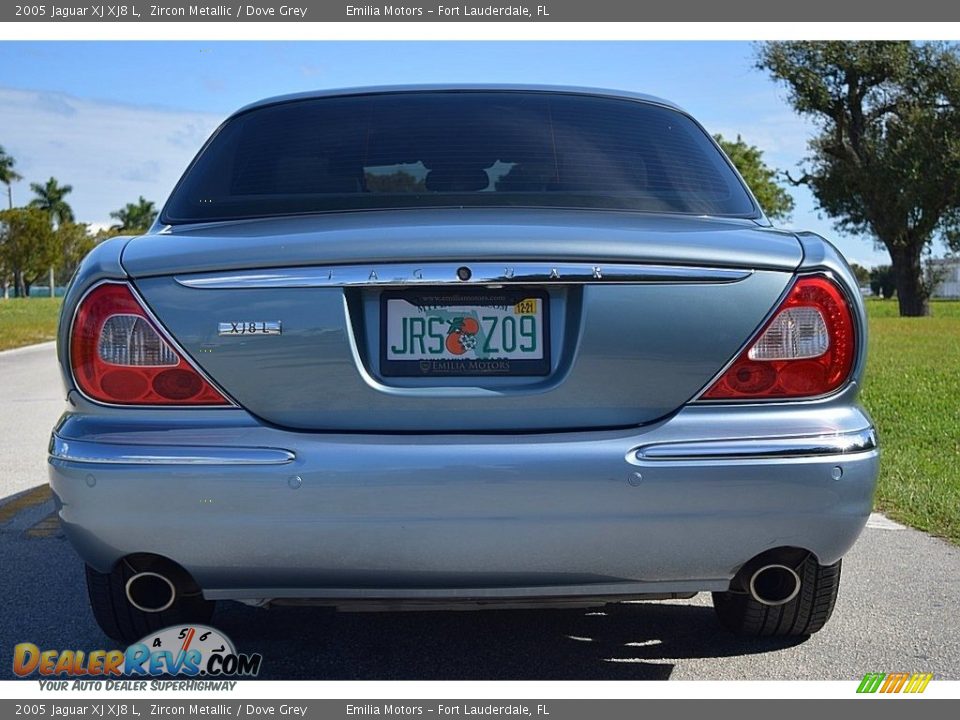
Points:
x=947, y=271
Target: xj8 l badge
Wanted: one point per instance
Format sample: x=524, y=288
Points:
x=258, y=327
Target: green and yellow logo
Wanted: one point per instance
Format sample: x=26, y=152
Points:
x=895, y=682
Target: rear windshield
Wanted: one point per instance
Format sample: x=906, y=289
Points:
x=457, y=149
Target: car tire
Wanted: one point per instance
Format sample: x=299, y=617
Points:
x=122, y=621
x=807, y=613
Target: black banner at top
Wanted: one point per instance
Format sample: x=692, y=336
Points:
x=736, y=11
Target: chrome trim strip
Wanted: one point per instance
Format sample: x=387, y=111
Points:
x=483, y=273
x=80, y=451
x=762, y=448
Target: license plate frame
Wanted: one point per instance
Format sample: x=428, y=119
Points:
x=468, y=367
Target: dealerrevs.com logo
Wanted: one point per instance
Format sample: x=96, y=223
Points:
x=193, y=651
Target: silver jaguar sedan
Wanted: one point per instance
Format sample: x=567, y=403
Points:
x=476, y=346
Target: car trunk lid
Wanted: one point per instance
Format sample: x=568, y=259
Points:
x=638, y=312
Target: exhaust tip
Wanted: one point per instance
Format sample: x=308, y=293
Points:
x=774, y=584
x=150, y=592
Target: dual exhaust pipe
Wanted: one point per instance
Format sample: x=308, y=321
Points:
x=151, y=592
x=774, y=584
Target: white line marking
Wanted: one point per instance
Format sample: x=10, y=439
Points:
x=877, y=521
x=49, y=344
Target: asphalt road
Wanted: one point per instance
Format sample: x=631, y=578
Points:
x=898, y=609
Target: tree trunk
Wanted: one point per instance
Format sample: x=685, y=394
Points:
x=908, y=275
x=18, y=286
x=53, y=283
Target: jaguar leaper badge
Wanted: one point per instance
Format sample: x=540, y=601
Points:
x=248, y=327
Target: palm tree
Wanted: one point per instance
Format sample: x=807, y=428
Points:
x=7, y=174
x=49, y=198
x=136, y=216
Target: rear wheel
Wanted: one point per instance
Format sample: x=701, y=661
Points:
x=122, y=620
x=805, y=614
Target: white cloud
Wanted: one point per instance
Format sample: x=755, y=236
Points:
x=110, y=153
x=782, y=136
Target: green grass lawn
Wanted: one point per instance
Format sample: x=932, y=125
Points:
x=912, y=390
x=27, y=321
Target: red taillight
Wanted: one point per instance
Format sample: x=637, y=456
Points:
x=806, y=349
x=119, y=356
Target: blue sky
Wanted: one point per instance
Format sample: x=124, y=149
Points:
x=121, y=119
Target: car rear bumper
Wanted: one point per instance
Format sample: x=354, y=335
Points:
x=255, y=512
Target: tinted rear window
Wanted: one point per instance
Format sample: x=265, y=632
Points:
x=457, y=149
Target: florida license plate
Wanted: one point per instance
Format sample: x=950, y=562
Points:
x=480, y=332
